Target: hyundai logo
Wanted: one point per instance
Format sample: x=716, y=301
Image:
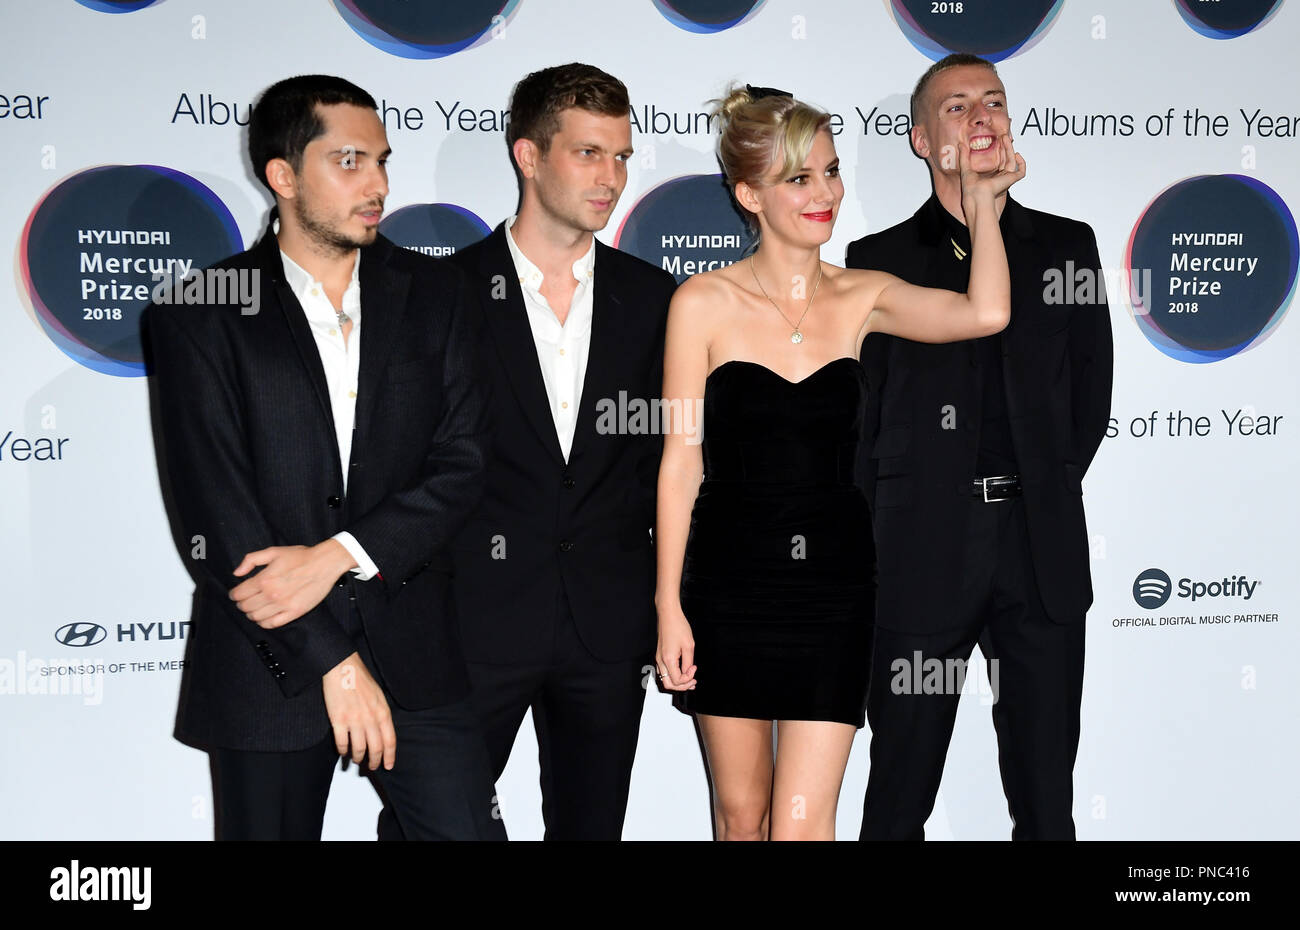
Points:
x=80, y=634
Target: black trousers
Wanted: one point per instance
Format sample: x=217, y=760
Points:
x=587, y=716
x=440, y=787
x=1034, y=665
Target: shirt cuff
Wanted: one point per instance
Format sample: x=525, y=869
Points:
x=366, y=569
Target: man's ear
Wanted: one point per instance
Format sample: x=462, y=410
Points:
x=746, y=197
x=526, y=154
x=280, y=175
x=920, y=142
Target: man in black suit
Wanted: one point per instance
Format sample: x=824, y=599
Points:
x=973, y=457
x=555, y=571
x=316, y=479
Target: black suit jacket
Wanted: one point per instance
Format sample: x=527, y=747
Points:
x=247, y=448
x=917, y=471
x=545, y=525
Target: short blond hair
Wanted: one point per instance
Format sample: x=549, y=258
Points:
x=956, y=60
x=763, y=133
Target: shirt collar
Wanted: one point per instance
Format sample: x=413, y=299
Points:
x=942, y=225
x=303, y=284
x=950, y=226
x=530, y=275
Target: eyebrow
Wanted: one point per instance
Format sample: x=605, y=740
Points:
x=962, y=95
x=833, y=163
x=596, y=147
x=356, y=151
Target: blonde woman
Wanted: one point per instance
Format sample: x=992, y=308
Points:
x=765, y=557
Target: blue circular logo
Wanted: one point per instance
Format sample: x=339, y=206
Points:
x=1226, y=19
x=100, y=242
x=705, y=16
x=426, y=30
x=1152, y=588
x=992, y=29
x=436, y=229
x=685, y=226
x=116, y=6
x=1212, y=267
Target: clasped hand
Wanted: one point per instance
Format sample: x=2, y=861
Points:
x=293, y=580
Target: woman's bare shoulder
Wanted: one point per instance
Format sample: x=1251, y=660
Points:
x=709, y=291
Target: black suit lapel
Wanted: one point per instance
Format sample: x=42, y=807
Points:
x=383, y=304
x=508, y=326
x=601, y=378
x=939, y=256
x=286, y=302
x=1022, y=252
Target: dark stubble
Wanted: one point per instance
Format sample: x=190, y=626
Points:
x=323, y=234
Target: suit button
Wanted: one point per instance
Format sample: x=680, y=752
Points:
x=342, y=582
x=569, y=482
x=565, y=545
x=334, y=502
x=281, y=673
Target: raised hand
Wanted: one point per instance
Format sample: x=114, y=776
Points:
x=992, y=183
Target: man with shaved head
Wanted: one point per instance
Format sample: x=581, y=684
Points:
x=973, y=457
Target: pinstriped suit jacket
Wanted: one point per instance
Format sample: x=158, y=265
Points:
x=248, y=458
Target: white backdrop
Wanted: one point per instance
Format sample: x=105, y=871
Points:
x=1188, y=730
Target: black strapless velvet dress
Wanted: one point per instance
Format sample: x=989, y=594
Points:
x=778, y=577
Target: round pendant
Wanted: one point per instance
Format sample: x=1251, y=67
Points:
x=796, y=337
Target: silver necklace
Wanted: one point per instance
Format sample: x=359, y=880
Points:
x=796, y=336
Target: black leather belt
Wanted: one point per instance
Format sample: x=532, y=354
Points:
x=999, y=488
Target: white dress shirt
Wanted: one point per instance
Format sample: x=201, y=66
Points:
x=561, y=349
x=341, y=361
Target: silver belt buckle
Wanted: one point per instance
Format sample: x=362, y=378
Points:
x=984, y=483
